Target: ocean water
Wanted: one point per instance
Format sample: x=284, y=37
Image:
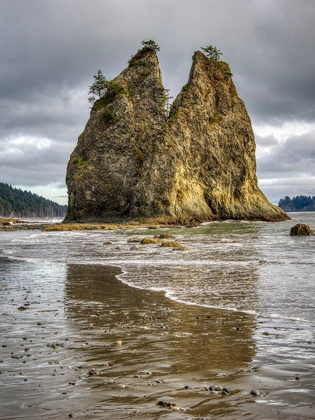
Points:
x=253, y=267
x=253, y=270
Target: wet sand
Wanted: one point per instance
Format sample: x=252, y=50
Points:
x=76, y=342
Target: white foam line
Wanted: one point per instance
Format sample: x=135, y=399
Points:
x=170, y=295
x=278, y=316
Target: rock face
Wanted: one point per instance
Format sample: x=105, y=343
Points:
x=133, y=161
x=301, y=230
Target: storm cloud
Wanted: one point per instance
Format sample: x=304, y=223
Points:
x=287, y=168
x=50, y=51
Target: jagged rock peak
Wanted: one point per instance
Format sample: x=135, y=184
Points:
x=133, y=161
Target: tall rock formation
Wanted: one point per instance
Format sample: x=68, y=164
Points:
x=133, y=161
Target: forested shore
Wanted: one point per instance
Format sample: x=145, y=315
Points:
x=298, y=203
x=17, y=203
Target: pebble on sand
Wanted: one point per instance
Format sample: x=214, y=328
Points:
x=164, y=236
x=255, y=392
x=135, y=248
x=93, y=372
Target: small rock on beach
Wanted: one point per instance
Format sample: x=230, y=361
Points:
x=255, y=392
x=301, y=230
x=135, y=248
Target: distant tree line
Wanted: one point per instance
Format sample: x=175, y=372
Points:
x=298, y=203
x=17, y=203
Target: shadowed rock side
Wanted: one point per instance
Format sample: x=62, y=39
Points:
x=106, y=165
x=197, y=164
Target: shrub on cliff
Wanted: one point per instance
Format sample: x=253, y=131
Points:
x=213, y=53
x=151, y=45
x=99, y=87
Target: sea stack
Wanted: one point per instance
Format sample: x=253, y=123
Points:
x=136, y=161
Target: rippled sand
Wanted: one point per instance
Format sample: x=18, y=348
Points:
x=76, y=342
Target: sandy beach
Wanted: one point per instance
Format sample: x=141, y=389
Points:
x=76, y=342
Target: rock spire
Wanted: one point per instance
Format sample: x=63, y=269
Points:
x=133, y=161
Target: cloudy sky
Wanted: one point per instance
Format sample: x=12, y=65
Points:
x=50, y=50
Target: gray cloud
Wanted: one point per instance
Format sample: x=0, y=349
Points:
x=268, y=141
x=288, y=168
x=294, y=157
x=42, y=166
x=50, y=51
x=278, y=81
x=268, y=44
x=292, y=187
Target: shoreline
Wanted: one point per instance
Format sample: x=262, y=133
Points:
x=167, y=295
x=13, y=224
x=94, y=347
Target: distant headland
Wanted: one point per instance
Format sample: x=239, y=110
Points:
x=138, y=160
x=298, y=203
x=17, y=203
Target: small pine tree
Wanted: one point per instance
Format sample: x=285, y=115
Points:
x=213, y=53
x=152, y=45
x=168, y=100
x=99, y=87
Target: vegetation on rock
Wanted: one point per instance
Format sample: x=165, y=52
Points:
x=80, y=162
x=108, y=117
x=213, y=54
x=113, y=89
x=106, y=90
x=147, y=46
x=99, y=87
x=164, y=236
x=151, y=45
x=150, y=241
x=171, y=244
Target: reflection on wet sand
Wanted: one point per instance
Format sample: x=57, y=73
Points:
x=76, y=342
x=86, y=345
x=147, y=348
